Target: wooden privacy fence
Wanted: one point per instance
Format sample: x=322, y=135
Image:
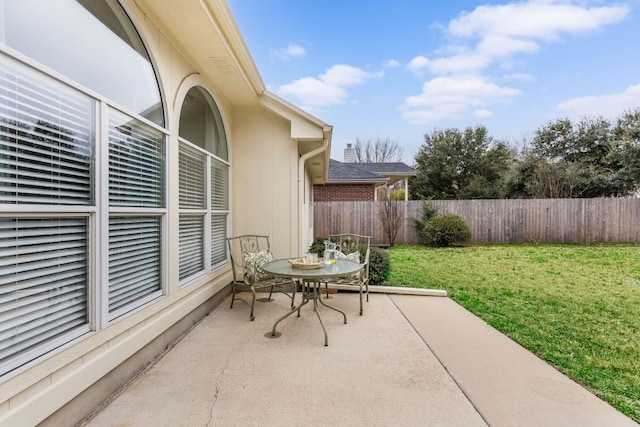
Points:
x=495, y=221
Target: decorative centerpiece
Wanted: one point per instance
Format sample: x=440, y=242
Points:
x=307, y=263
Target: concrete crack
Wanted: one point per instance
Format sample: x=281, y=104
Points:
x=219, y=377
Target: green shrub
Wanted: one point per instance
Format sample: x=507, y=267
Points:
x=379, y=261
x=379, y=264
x=445, y=230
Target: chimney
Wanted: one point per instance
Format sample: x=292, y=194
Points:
x=349, y=154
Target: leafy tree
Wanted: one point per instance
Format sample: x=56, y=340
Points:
x=429, y=210
x=626, y=152
x=454, y=164
x=382, y=150
x=590, y=158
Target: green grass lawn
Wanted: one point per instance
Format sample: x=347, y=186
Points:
x=577, y=307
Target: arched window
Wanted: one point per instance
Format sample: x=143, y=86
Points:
x=82, y=155
x=204, y=185
x=92, y=42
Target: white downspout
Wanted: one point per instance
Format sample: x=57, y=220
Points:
x=301, y=161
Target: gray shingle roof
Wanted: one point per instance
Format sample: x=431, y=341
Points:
x=339, y=171
x=350, y=171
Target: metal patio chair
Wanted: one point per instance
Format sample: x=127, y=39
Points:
x=356, y=248
x=248, y=253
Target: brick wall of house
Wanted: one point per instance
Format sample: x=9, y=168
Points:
x=343, y=192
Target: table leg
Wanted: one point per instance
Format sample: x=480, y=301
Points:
x=316, y=295
x=305, y=299
x=332, y=307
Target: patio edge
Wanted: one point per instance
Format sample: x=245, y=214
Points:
x=394, y=290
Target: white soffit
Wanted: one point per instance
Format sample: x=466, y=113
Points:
x=205, y=33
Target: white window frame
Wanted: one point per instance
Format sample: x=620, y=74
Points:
x=98, y=214
x=207, y=213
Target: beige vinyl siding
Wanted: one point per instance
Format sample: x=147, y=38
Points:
x=264, y=176
x=33, y=392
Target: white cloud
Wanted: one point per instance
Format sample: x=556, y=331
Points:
x=313, y=92
x=417, y=64
x=346, y=75
x=519, y=77
x=483, y=113
x=611, y=105
x=534, y=19
x=329, y=88
x=293, y=50
x=448, y=97
x=461, y=62
x=391, y=63
x=497, y=32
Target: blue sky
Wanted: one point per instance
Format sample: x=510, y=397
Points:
x=402, y=68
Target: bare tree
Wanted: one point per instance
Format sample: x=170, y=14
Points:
x=382, y=150
x=553, y=180
x=391, y=215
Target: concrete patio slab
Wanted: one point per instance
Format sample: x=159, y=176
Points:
x=508, y=384
x=386, y=368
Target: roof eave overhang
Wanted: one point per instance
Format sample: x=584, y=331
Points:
x=357, y=181
x=206, y=34
x=308, y=131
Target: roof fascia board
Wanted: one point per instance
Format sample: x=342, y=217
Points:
x=357, y=181
x=414, y=173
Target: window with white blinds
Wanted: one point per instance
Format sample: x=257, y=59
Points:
x=136, y=163
x=134, y=261
x=204, y=186
x=76, y=193
x=136, y=182
x=218, y=242
x=191, y=245
x=47, y=155
x=192, y=185
x=43, y=285
x=219, y=186
x=219, y=210
x=46, y=144
x=46, y=158
x=192, y=175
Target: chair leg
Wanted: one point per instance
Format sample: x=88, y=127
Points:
x=360, y=299
x=233, y=293
x=253, y=303
x=367, y=289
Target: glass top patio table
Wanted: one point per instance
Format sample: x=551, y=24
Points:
x=284, y=268
x=310, y=280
